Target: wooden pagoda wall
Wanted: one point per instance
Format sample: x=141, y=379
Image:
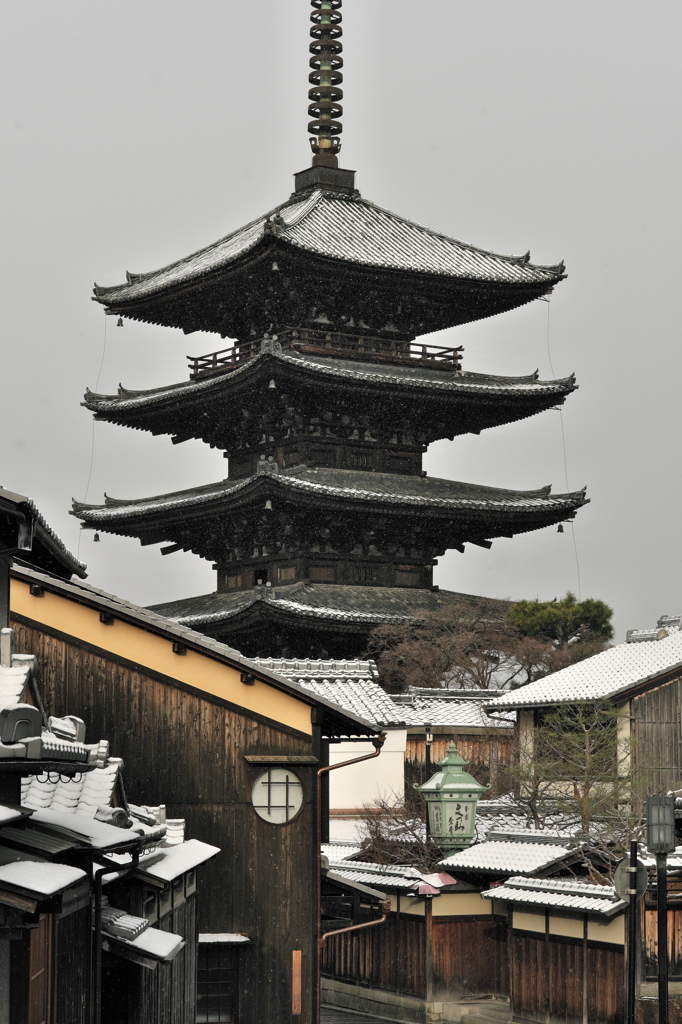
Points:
x=187, y=750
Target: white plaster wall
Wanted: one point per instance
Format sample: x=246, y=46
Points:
x=383, y=778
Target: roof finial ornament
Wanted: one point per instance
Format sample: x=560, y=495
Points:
x=326, y=62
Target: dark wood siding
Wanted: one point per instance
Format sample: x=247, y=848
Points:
x=73, y=943
x=657, y=718
x=391, y=956
x=187, y=751
x=550, y=976
x=469, y=957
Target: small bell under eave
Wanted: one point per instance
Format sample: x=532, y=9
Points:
x=560, y=528
x=119, y=322
x=95, y=539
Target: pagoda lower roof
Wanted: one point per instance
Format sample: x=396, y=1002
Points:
x=329, y=225
x=527, y=393
x=363, y=606
x=497, y=510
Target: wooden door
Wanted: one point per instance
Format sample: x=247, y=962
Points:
x=40, y=972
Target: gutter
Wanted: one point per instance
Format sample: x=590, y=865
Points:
x=377, y=742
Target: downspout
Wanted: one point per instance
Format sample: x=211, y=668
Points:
x=96, y=1015
x=377, y=743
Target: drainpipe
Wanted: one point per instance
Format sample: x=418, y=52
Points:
x=377, y=743
x=96, y=1003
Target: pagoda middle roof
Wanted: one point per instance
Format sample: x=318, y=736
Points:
x=406, y=378
x=362, y=606
x=346, y=228
x=354, y=488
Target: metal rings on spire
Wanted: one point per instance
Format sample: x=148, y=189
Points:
x=325, y=78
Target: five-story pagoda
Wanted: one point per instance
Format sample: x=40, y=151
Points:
x=324, y=403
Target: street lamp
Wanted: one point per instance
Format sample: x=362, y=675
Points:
x=451, y=797
x=660, y=840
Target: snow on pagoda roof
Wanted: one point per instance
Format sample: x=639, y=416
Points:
x=412, y=377
x=344, y=227
x=606, y=675
x=328, y=601
x=354, y=485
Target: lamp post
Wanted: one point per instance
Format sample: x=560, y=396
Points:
x=660, y=840
x=451, y=797
x=428, y=740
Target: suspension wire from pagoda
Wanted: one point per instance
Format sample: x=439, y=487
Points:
x=92, y=436
x=326, y=61
x=563, y=442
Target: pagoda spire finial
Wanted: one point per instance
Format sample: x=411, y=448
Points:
x=325, y=78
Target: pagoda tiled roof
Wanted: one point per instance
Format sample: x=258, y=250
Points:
x=412, y=378
x=324, y=601
x=343, y=227
x=355, y=486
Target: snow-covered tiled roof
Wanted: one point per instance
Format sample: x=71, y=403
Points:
x=606, y=675
x=385, y=876
x=96, y=834
x=361, y=696
x=353, y=685
x=167, y=863
x=35, y=876
x=508, y=857
x=337, y=852
x=559, y=894
x=462, y=713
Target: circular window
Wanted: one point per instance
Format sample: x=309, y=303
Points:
x=277, y=795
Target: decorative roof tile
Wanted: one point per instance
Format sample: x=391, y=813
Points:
x=604, y=676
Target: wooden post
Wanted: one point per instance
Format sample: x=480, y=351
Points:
x=633, y=911
x=4, y=593
x=428, y=943
x=662, y=914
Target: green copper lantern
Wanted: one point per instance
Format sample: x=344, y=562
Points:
x=451, y=796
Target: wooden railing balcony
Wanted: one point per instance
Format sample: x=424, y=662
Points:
x=332, y=344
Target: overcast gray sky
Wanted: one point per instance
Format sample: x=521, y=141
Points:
x=134, y=133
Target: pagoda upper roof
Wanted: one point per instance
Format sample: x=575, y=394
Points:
x=491, y=400
x=368, y=606
x=329, y=224
x=351, y=489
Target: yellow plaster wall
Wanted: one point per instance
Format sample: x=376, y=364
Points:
x=154, y=652
x=610, y=931
x=528, y=922
x=410, y=905
x=571, y=927
x=465, y=903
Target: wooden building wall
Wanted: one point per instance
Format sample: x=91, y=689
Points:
x=187, y=750
x=391, y=957
x=657, y=730
x=487, y=751
x=469, y=957
x=551, y=976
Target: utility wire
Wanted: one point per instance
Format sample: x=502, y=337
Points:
x=92, y=436
x=563, y=445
